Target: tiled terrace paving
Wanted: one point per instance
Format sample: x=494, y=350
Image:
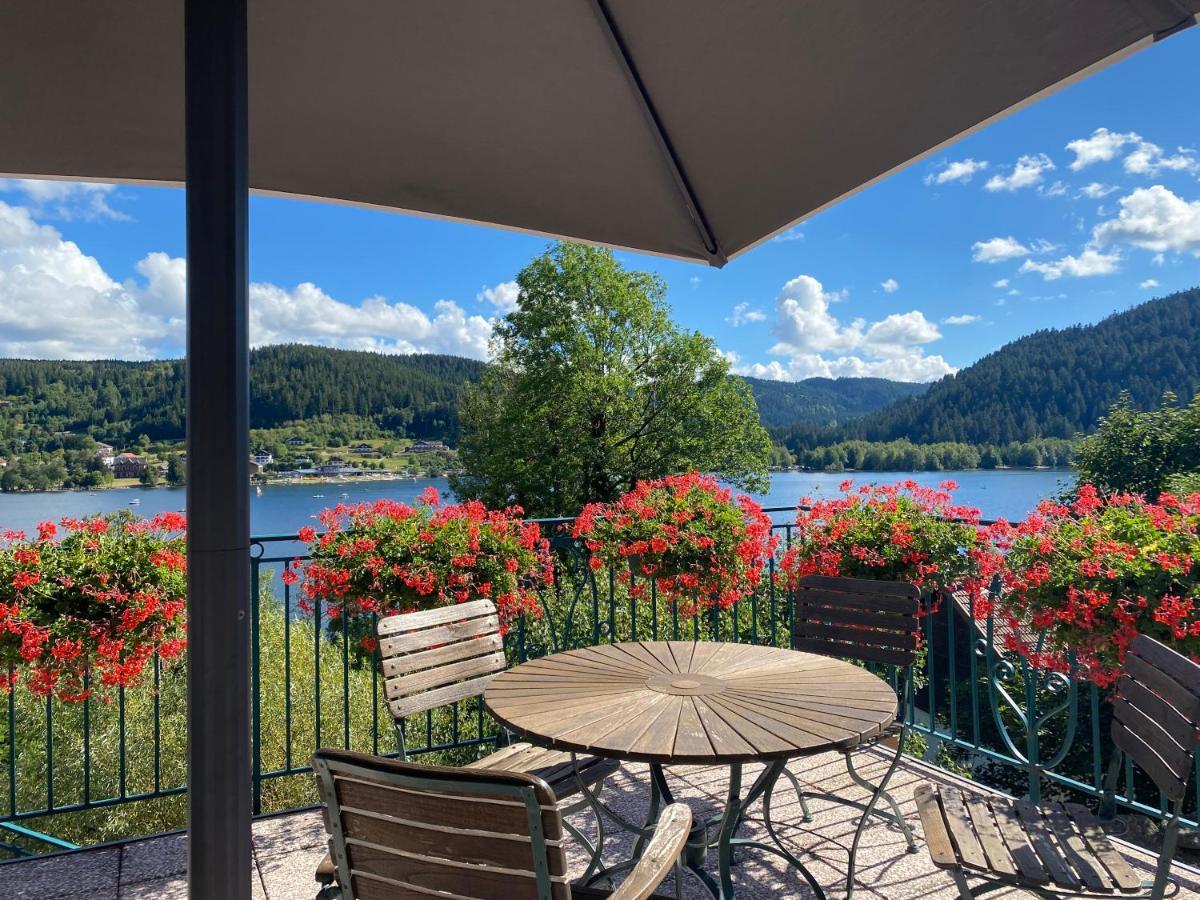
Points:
x=287, y=848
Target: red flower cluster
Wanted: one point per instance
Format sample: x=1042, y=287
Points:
x=901, y=532
x=1085, y=578
x=387, y=557
x=102, y=601
x=699, y=544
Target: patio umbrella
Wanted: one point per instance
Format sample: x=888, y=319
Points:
x=679, y=127
x=683, y=127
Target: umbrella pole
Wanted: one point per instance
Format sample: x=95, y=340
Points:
x=219, y=856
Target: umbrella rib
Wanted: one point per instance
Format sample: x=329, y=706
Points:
x=716, y=256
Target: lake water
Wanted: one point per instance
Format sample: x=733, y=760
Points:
x=285, y=508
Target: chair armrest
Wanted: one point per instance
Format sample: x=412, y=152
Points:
x=670, y=835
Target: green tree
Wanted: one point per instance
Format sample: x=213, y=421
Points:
x=149, y=476
x=176, y=469
x=1138, y=451
x=593, y=388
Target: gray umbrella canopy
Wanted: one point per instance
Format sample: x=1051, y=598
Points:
x=682, y=127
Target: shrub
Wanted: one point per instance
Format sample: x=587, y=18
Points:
x=89, y=610
x=388, y=557
x=699, y=544
x=895, y=532
x=1089, y=576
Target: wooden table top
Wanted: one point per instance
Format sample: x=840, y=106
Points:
x=685, y=703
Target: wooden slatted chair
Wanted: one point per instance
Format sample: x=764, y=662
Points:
x=874, y=622
x=1061, y=850
x=400, y=830
x=439, y=656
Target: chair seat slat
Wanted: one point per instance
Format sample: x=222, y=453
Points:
x=1118, y=867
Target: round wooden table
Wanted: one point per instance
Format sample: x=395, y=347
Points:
x=696, y=703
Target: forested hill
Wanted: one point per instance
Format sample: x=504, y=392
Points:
x=824, y=401
x=414, y=395
x=1053, y=383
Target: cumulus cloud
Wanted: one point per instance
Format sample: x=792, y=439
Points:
x=1000, y=283
x=1102, y=146
x=1155, y=219
x=814, y=342
x=1149, y=159
x=503, y=296
x=65, y=199
x=1058, y=189
x=890, y=286
x=1145, y=158
x=962, y=170
x=56, y=302
x=1030, y=170
x=998, y=249
x=1087, y=264
x=1148, y=284
x=742, y=314
x=965, y=319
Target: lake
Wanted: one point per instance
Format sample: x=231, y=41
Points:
x=285, y=508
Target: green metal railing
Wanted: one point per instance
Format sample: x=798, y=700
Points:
x=95, y=771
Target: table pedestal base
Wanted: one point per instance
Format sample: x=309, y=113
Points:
x=695, y=855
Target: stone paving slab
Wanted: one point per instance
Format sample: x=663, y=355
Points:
x=287, y=848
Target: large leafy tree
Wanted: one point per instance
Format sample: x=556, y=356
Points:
x=593, y=387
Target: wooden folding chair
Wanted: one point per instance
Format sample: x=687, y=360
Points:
x=1060, y=850
x=439, y=656
x=869, y=621
x=400, y=830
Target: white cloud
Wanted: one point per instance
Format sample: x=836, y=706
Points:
x=1029, y=171
x=56, y=302
x=1088, y=263
x=694, y=281
x=1148, y=284
x=743, y=315
x=961, y=320
x=1001, y=283
x=503, y=296
x=1145, y=158
x=1149, y=159
x=814, y=342
x=958, y=170
x=66, y=199
x=1102, y=146
x=792, y=234
x=1095, y=190
x=1058, y=189
x=1158, y=259
x=998, y=249
x=890, y=286
x=307, y=315
x=1155, y=219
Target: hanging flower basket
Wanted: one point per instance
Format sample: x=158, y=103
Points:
x=691, y=538
x=87, y=604
x=895, y=532
x=388, y=557
x=1087, y=577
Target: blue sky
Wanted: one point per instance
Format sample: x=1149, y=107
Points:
x=1081, y=205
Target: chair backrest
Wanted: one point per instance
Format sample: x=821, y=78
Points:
x=1156, y=714
x=436, y=656
x=399, y=830
x=857, y=618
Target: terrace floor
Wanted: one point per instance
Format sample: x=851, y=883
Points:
x=288, y=847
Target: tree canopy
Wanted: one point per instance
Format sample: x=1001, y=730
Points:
x=593, y=388
x=1145, y=452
